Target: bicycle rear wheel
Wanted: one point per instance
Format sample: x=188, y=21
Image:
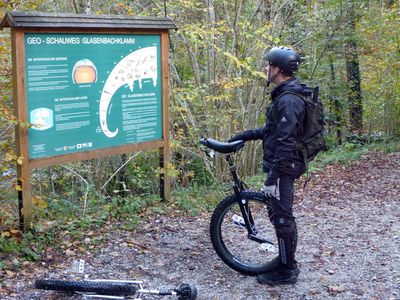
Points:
x=101, y=288
x=230, y=239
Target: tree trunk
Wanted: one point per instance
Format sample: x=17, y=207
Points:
x=353, y=74
x=211, y=51
x=335, y=104
x=88, y=7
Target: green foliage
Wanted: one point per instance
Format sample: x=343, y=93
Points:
x=127, y=207
x=29, y=246
x=379, y=32
x=353, y=150
x=198, y=198
x=344, y=154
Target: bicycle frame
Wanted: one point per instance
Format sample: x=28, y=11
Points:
x=140, y=292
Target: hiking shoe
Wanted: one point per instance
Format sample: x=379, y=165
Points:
x=288, y=276
x=276, y=265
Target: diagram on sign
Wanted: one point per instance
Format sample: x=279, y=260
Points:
x=84, y=71
x=135, y=67
x=41, y=118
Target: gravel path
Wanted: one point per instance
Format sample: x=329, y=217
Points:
x=349, y=245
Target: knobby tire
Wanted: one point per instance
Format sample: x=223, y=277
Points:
x=101, y=288
x=231, y=242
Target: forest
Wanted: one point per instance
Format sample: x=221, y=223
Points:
x=217, y=87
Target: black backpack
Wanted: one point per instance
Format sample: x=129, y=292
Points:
x=313, y=141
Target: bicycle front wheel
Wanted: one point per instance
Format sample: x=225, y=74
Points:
x=230, y=237
x=101, y=288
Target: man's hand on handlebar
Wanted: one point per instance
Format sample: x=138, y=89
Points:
x=236, y=137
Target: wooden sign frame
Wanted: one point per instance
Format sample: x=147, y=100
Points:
x=22, y=23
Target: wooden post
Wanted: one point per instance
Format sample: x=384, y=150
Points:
x=165, y=180
x=21, y=132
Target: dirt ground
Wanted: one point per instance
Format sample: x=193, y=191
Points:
x=349, y=245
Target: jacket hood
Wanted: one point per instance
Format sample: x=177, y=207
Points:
x=291, y=85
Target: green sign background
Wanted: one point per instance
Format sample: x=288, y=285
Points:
x=92, y=91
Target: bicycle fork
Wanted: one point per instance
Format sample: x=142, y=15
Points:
x=238, y=187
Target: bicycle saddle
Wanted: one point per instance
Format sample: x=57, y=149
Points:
x=221, y=146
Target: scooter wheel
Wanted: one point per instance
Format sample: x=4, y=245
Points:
x=186, y=292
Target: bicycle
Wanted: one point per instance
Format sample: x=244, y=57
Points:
x=241, y=227
x=113, y=289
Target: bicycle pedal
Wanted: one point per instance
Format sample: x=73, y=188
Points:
x=238, y=221
x=240, y=225
x=78, y=266
x=268, y=247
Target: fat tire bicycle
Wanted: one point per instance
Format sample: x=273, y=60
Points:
x=241, y=227
x=114, y=289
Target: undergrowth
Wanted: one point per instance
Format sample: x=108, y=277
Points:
x=351, y=151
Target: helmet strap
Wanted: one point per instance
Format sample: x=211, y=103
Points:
x=271, y=79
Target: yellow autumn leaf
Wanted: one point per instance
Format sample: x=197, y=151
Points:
x=6, y=234
x=39, y=202
x=8, y=156
x=228, y=85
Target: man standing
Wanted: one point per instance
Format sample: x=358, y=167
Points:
x=282, y=159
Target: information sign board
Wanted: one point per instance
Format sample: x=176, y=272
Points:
x=89, y=91
x=91, y=86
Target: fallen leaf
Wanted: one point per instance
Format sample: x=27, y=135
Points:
x=6, y=234
x=69, y=253
x=336, y=289
x=10, y=274
x=27, y=273
x=25, y=264
x=314, y=291
x=132, y=243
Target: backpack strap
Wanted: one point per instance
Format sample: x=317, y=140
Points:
x=289, y=92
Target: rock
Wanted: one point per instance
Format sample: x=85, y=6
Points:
x=357, y=291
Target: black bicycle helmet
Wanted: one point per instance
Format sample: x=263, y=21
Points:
x=285, y=58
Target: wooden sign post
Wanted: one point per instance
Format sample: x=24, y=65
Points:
x=90, y=86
